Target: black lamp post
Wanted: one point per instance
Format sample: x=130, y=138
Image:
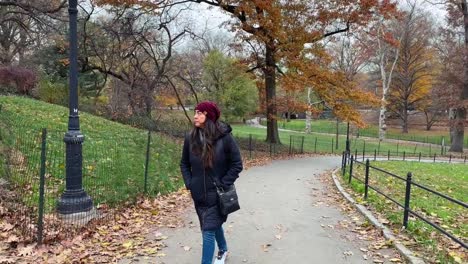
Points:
x=74, y=199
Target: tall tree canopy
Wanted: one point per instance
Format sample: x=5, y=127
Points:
x=286, y=38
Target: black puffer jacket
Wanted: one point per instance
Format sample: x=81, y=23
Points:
x=227, y=165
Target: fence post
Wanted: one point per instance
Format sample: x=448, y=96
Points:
x=333, y=147
x=407, y=199
x=442, y=144
x=342, y=162
x=40, y=220
x=397, y=147
x=315, y=146
x=302, y=145
x=450, y=158
x=404, y=155
x=419, y=156
x=434, y=156
x=366, y=186
x=343, y=167
x=378, y=148
x=351, y=169
x=388, y=155
x=147, y=160
x=250, y=146
x=290, y=144
x=375, y=154
x=364, y=151
x=355, y=154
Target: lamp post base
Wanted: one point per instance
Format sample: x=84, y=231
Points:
x=74, y=201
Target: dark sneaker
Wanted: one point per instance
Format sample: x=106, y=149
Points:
x=221, y=257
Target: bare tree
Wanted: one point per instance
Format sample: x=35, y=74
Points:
x=135, y=47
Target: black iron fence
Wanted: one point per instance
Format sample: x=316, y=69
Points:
x=117, y=169
x=348, y=166
x=411, y=156
x=372, y=132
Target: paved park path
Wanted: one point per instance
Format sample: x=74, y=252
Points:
x=285, y=218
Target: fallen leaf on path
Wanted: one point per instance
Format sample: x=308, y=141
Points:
x=6, y=226
x=395, y=260
x=26, y=251
x=278, y=237
x=187, y=248
x=265, y=247
x=6, y=260
x=12, y=238
x=348, y=253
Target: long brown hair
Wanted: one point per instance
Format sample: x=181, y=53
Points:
x=202, y=141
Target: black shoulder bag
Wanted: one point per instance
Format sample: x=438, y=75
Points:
x=228, y=200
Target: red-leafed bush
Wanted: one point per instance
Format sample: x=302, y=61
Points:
x=22, y=79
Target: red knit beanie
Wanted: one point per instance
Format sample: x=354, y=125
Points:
x=211, y=109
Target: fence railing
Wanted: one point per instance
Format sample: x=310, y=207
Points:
x=297, y=144
x=117, y=169
x=371, y=132
x=351, y=161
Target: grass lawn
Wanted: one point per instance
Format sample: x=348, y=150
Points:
x=113, y=154
x=449, y=179
x=327, y=126
x=322, y=143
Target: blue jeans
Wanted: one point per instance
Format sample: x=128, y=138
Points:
x=209, y=244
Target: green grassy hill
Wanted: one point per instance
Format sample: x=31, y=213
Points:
x=114, y=155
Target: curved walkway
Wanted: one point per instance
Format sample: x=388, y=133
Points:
x=285, y=218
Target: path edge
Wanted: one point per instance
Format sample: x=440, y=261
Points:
x=388, y=234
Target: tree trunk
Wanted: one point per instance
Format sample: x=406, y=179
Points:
x=458, y=131
x=404, y=118
x=382, y=125
x=465, y=84
x=308, y=113
x=386, y=81
x=148, y=102
x=429, y=120
x=270, y=87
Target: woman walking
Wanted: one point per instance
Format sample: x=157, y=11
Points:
x=210, y=158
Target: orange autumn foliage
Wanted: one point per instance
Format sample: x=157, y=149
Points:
x=288, y=34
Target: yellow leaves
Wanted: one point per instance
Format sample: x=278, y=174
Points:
x=65, y=62
x=127, y=245
x=457, y=257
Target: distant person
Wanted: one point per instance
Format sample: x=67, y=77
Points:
x=210, y=156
